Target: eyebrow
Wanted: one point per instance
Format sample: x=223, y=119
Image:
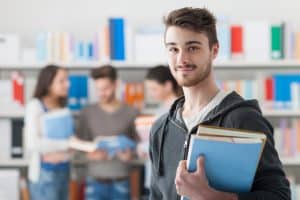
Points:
x=187, y=43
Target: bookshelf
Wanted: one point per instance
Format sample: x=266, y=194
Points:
x=218, y=65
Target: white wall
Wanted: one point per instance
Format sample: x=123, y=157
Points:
x=82, y=17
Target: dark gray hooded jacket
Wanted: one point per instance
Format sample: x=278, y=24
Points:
x=169, y=133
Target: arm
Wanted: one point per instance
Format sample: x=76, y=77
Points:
x=195, y=185
x=270, y=182
x=33, y=140
x=155, y=193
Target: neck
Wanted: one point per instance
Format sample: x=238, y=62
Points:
x=198, y=96
x=51, y=102
x=110, y=106
x=169, y=99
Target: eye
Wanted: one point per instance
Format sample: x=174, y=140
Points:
x=173, y=50
x=193, y=48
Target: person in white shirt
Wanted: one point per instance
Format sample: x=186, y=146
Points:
x=49, y=159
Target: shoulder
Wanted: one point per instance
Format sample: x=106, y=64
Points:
x=89, y=108
x=248, y=118
x=130, y=111
x=158, y=125
x=34, y=105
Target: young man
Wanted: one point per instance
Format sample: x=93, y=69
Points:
x=107, y=176
x=192, y=45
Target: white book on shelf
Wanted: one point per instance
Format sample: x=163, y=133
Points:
x=30, y=83
x=149, y=46
x=9, y=48
x=257, y=40
x=129, y=42
x=295, y=95
x=289, y=40
x=9, y=184
x=5, y=139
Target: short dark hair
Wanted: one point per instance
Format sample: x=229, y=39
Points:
x=44, y=81
x=105, y=71
x=162, y=74
x=199, y=20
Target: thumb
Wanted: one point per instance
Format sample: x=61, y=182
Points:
x=200, y=165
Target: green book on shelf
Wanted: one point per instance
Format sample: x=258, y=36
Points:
x=276, y=41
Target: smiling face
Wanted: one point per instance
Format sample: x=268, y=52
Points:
x=189, y=55
x=60, y=84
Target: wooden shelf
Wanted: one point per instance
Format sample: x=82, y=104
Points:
x=230, y=64
x=281, y=113
x=14, y=163
x=291, y=161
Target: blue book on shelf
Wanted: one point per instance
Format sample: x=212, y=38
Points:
x=41, y=47
x=117, y=38
x=57, y=124
x=116, y=143
x=248, y=89
x=223, y=32
x=90, y=51
x=73, y=97
x=283, y=89
x=232, y=170
x=83, y=90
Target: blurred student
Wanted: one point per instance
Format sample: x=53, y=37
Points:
x=162, y=87
x=49, y=158
x=107, y=175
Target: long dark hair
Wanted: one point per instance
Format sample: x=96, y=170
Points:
x=162, y=74
x=45, y=79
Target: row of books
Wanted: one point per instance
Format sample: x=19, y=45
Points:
x=246, y=88
x=82, y=91
x=258, y=40
x=280, y=91
x=18, y=90
x=108, y=44
x=287, y=137
x=115, y=40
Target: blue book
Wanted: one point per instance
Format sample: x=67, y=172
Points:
x=83, y=90
x=57, y=124
x=223, y=32
x=231, y=156
x=112, y=144
x=74, y=93
x=283, y=89
x=117, y=38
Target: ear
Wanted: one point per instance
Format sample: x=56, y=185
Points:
x=215, y=50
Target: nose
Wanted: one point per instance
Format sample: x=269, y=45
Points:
x=183, y=58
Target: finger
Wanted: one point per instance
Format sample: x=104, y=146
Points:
x=182, y=165
x=200, y=165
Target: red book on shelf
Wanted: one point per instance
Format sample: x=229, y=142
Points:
x=236, y=40
x=18, y=87
x=269, y=89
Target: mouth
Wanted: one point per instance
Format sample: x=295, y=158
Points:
x=186, y=68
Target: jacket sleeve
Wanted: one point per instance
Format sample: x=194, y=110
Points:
x=155, y=193
x=270, y=182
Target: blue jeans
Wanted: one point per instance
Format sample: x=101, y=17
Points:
x=52, y=185
x=116, y=190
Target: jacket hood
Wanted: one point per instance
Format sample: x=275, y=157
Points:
x=231, y=102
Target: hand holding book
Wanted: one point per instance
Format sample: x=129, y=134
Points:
x=226, y=167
